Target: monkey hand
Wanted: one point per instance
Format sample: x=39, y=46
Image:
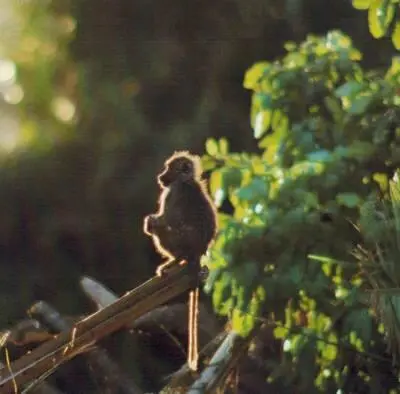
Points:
x=150, y=223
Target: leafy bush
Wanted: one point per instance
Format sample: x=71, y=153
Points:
x=329, y=142
x=378, y=257
x=383, y=18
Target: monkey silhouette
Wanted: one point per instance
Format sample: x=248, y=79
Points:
x=184, y=226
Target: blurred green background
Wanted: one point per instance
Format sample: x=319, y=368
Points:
x=94, y=95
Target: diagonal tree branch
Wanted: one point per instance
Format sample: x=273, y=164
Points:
x=85, y=333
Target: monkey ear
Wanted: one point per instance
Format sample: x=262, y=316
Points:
x=197, y=166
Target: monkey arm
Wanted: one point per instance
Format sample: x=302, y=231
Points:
x=148, y=224
x=155, y=225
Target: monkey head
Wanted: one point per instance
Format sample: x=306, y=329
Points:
x=181, y=166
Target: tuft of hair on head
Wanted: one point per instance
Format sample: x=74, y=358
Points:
x=184, y=154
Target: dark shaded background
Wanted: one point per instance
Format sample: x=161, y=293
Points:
x=154, y=76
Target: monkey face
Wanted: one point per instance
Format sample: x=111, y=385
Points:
x=179, y=168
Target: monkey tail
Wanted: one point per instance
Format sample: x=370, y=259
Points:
x=193, y=349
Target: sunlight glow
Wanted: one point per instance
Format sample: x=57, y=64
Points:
x=7, y=71
x=63, y=109
x=14, y=94
x=287, y=345
x=258, y=208
x=327, y=373
x=258, y=123
x=9, y=134
x=68, y=24
x=218, y=197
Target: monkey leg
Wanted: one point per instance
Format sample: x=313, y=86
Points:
x=161, y=268
x=193, y=327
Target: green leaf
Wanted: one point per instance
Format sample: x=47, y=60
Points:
x=262, y=122
x=361, y=150
x=242, y=322
x=217, y=188
x=350, y=200
x=266, y=102
x=396, y=36
x=254, y=74
x=321, y=155
x=306, y=167
x=382, y=180
x=256, y=189
x=334, y=107
x=223, y=146
x=211, y=279
x=394, y=188
x=280, y=332
x=386, y=14
x=375, y=22
x=361, y=4
x=243, y=296
x=232, y=178
x=208, y=163
x=336, y=40
x=273, y=141
x=290, y=46
x=360, y=104
x=349, y=89
x=222, y=293
x=394, y=69
x=279, y=122
x=212, y=147
x=329, y=352
x=322, y=259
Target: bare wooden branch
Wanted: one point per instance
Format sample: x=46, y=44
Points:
x=42, y=388
x=97, y=292
x=170, y=317
x=104, y=367
x=85, y=333
x=224, y=359
x=51, y=317
x=25, y=332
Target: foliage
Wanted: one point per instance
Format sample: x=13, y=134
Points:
x=378, y=258
x=383, y=18
x=328, y=138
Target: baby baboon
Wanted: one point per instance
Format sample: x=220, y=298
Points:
x=185, y=223
x=184, y=226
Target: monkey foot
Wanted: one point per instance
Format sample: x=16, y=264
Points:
x=160, y=271
x=165, y=267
